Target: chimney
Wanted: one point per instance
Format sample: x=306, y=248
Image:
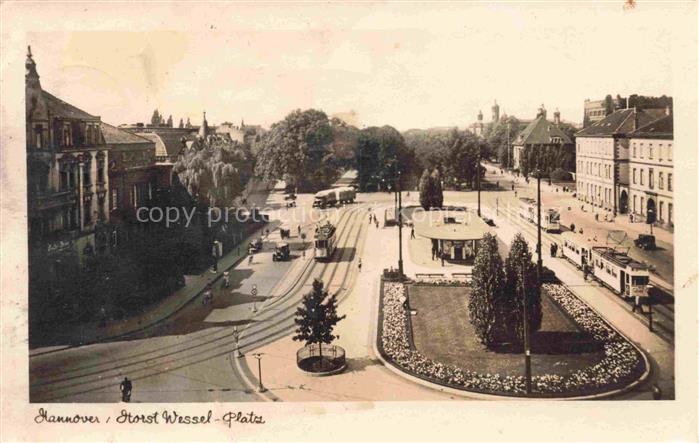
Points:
x=557, y=117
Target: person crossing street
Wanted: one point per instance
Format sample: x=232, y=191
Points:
x=126, y=387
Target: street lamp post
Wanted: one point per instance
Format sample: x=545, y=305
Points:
x=258, y=356
x=525, y=320
x=236, y=336
x=478, y=179
x=400, y=227
x=508, y=145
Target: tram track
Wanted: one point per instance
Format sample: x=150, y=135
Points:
x=664, y=327
x=141, y=368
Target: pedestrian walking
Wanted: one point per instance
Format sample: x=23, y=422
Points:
x=412, y=232
x=126, y=387
x=359, y=265
x=637, y=304
x=250, y=259
x=553, y=249
x=597, y=217
x=442, y=256
x=226, y=279
x=298, y=228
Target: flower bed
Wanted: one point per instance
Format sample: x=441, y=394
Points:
x=621, y=365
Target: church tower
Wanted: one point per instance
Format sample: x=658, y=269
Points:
x=496, y=112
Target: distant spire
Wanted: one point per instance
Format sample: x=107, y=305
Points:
x=31, y=76
x=204, y=128
x=242, y=123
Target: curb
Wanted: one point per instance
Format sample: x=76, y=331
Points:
x=184, y=304
x=481, y=396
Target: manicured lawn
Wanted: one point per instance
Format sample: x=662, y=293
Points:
x=442, y=332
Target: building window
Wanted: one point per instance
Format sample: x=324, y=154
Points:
x=641, y=178
x=634, y=176
x=634, y=205
x=669, y=182
x=114, y=199
x=660, y=211
x=660, y=152
x=87, y=211
x=634, y=150
x=650, y=150
x=100, y=206
x=669, y=151
x=641, y=208
x=100, y=170
x=87, y=180
x=38, y=137
x=669, y=213
x=650, y=178
x=660, y=180
x=640, y=150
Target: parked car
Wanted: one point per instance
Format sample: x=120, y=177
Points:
x=281, y=252
x=645, y=241
x=488, y=221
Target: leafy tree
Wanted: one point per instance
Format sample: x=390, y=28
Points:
x=437, y=195
x=381, y=156
x=497, y=140
x=316, y=317
x=169, y=121
x=485, y=305
x=215, y=170
x=520, y=272
x=425, y=190
x=608, y=105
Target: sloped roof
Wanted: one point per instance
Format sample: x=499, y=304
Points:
x=621, y=122
x=541, y=132
x=59, y=108
x=115, y=136
x=165, y=144
x=660, y=128
x=434, y=226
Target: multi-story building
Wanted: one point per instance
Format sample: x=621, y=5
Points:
x=540, y=134
x=478, y=128
x=596, y=110
x=133, y=177
x=67, y=179
x=651, y=171
x=602, y=158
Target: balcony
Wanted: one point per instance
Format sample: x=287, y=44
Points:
x=52, y=200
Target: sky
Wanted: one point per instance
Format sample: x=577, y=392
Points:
x=405, y=65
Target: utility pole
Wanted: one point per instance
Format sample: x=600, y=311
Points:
x=508, y=146
x=478, y=178
x=538, y=228
x=525, y=319
x=400, y=227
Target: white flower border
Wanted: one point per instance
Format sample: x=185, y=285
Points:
x=620, y=360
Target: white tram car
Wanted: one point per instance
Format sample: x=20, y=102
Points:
x=550, y=218
x=324, y=242
x=619, y=272
x=577, y=248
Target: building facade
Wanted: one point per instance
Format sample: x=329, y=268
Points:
x=602, y=158
x=68, y=183
x=133, y=178
x=651, y=171
x=540, y=134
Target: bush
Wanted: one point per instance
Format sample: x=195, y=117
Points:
x=561, y=175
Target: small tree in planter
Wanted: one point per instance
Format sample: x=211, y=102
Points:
x=485, y=305
x=316, y=318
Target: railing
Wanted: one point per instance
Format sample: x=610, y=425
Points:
x=332, y=353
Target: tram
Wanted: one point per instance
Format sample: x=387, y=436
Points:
x=612, y=268
x=550, y=218
x=619, y=272
x=577, y=248
x=325, y=241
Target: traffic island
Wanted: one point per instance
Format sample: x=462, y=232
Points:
x=321, y=360
x=424, y=331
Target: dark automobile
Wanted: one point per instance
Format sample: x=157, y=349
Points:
x=645, y=241
x=489, y=221
x=281, y=252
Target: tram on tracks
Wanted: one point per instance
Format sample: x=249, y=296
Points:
x=611, y=267
x=550, y=217
x=325, y=241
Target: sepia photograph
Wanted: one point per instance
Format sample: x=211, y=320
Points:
x=382, y=204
